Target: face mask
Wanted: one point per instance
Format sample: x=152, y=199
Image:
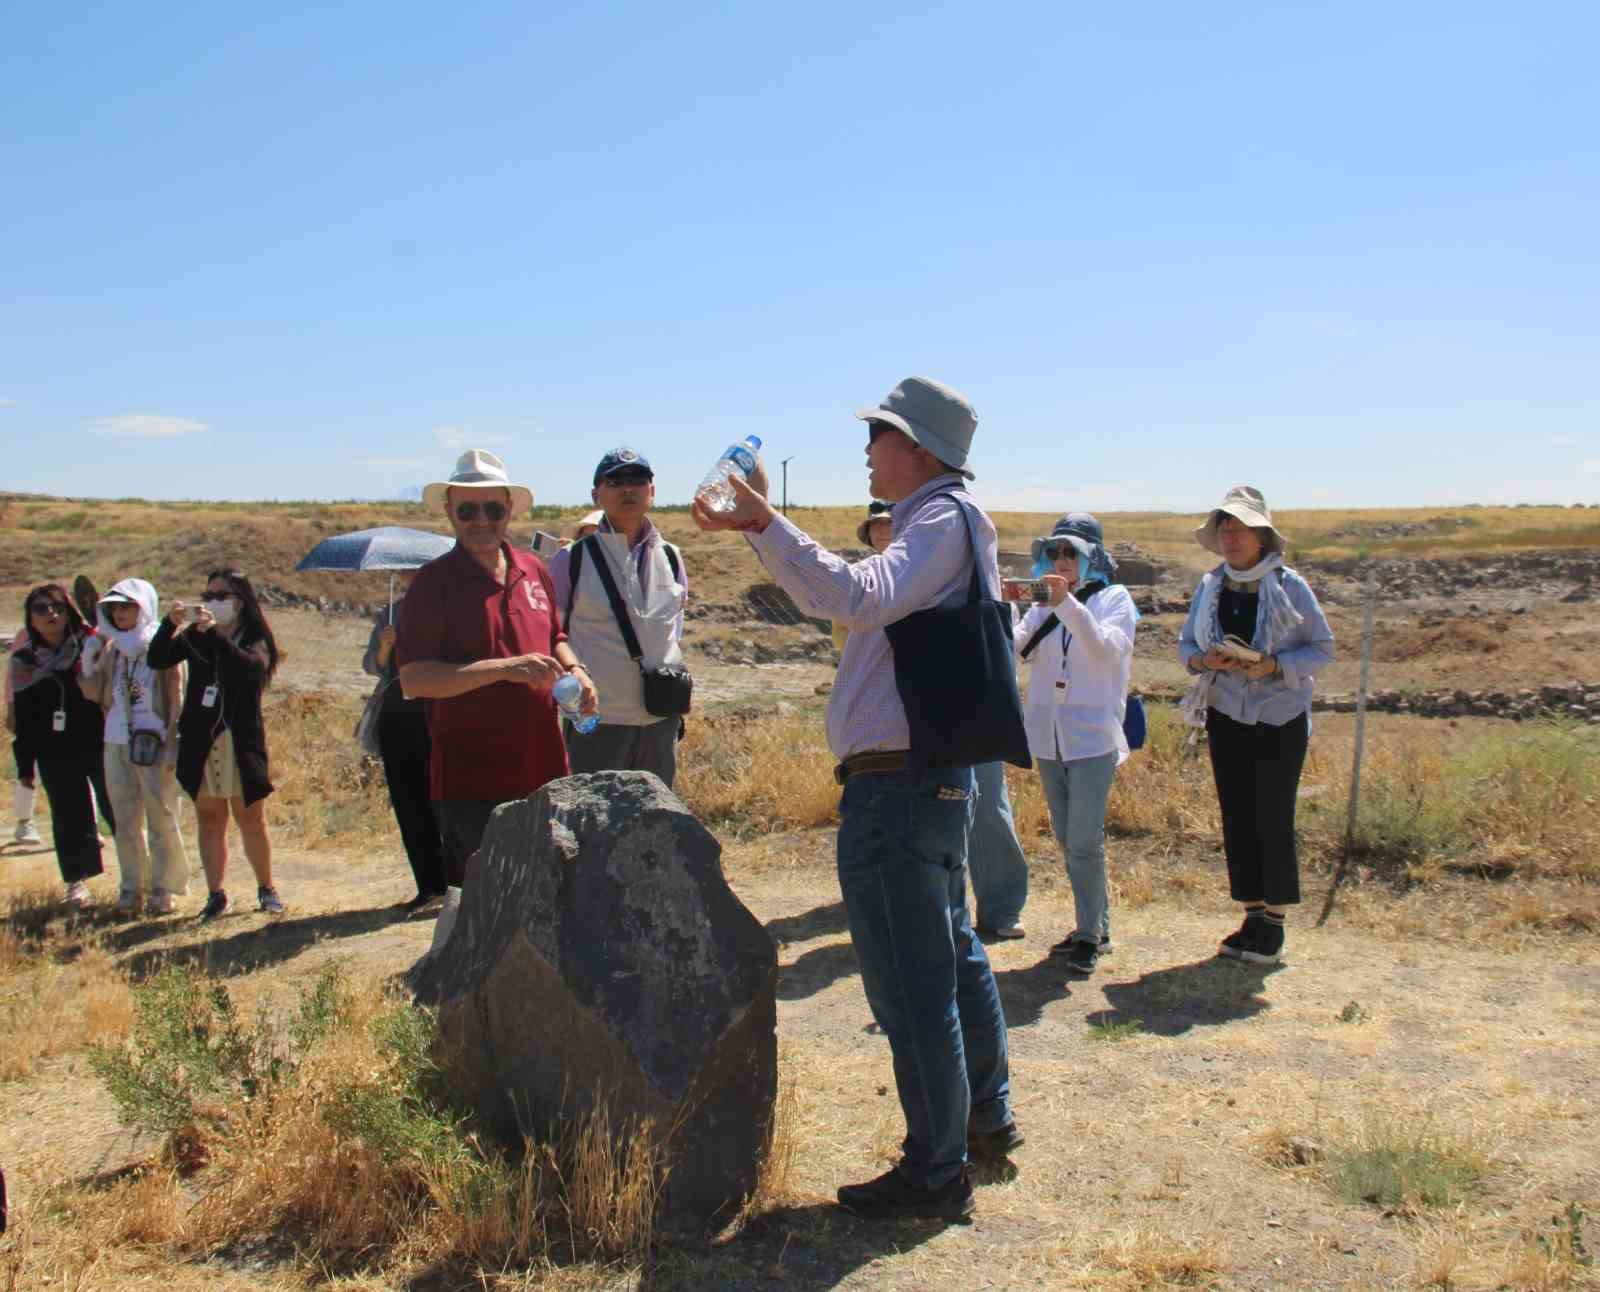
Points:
x=223, y=611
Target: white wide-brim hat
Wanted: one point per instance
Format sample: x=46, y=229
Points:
x=1244, y=503
x=592, y=519
x=477, y=469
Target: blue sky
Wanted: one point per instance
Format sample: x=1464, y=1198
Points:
x=1344, y=252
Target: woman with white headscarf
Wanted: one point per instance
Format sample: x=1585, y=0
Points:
x=1081, y=645
x=1254, y=639
x=141, y=706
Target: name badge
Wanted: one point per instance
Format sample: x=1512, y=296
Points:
x=1063, y=689
x=58, y=720
x=208, y=697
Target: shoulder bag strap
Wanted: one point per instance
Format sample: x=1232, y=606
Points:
x=1040, y=633
x=574, y=569
x=630, y=639
x=672, y=561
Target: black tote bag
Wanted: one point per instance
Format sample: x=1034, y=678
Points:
x=957, y=679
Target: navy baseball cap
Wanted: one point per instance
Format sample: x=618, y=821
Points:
x=622, y=459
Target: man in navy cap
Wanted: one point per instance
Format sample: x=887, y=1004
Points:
x=646, y=572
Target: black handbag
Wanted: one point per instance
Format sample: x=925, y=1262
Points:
x=957, y=679
x=668, y=689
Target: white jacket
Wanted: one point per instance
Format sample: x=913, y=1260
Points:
x=1078, y=692
x=657, y=622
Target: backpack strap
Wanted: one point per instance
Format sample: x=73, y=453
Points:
x=672, y=561
x=574, y=569
x=630, y=639
x=1040, y=633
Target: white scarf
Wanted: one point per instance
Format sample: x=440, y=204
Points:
x=1276, y=619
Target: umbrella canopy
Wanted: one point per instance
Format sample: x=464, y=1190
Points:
x=390, y=547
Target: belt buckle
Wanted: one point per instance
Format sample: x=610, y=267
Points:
x=840, y=774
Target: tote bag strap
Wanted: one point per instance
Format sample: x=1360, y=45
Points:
x=1040, y=633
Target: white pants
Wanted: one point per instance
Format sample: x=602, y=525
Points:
x=144, y=801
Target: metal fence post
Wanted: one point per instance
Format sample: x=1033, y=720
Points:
x=1367, y=596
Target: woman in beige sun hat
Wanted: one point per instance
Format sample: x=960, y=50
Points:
x=1254, y=639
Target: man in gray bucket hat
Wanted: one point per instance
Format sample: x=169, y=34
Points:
x=902, y=843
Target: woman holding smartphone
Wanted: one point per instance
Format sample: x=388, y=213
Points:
x=1080, y=640
x=1256, y=712
x=59, y=730
x=222, y=738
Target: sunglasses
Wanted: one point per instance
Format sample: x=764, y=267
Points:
x=493, y=512
x=620, y=479
x=1055, y=551
x=48, y=608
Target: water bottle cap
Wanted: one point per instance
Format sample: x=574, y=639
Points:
x=567, y=689
x=754, y=441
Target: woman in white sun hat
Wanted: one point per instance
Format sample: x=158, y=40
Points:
x=1254, y=639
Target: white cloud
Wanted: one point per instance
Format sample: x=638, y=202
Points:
x=459, y=437
x=381, y=464
x=149, y=426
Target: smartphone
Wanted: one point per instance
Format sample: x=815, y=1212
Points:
x=1242, y=651
x=545, y=544
x=1034, y=590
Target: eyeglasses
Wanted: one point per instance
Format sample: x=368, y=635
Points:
x=875, y=429
x=48, y=608
x=493, y=512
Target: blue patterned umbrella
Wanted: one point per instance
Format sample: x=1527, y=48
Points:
x=389, y=547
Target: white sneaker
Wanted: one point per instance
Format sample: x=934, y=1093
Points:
x=78, y=895
x=27, y=832
x=165, y=904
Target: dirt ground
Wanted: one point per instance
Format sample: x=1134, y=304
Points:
x=1150, y=1159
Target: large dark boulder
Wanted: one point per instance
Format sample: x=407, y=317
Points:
x=598, y=953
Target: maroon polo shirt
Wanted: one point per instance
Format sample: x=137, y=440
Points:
x=503, y=741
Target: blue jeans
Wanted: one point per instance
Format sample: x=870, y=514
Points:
x=1076, y=793
x=999, y=868
x=902, y=869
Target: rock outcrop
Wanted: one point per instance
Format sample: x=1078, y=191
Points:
x=599, y=954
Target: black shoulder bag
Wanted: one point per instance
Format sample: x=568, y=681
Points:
x=668, y=689
x=956, y=678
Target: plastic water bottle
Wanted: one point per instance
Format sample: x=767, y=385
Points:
x=741, y=458
x=568, y=692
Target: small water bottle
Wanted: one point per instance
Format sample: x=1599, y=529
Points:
x=741, y=458
x=568, y=692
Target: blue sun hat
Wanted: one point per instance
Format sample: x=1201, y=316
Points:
x=1082, y=532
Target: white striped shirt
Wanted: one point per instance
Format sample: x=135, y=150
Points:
x=927, y=564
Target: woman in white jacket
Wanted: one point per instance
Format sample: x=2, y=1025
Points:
x=141, y=707
x=1081, y=647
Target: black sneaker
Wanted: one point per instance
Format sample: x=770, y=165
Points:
x=1266, y=946
x=995, y=1145
x=216, y=904
x=1081, y=958
x=1244, y=936
x=1066, y=945
x=892, y=1197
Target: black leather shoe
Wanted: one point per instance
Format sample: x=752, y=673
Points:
x=995, y=1145
x=892, y=1197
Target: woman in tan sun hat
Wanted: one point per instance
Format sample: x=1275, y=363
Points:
x=1254, y=639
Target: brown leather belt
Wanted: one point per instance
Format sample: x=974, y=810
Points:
x=879, y=760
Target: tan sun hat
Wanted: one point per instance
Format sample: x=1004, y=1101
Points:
x=1244, y=503
x=477, y=469
x=590, y=520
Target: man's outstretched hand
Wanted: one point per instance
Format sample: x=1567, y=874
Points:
x=751, y=513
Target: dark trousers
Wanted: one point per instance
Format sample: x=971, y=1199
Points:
x=66, y=784
x=403, y=742
x=1257, y=769
x=461, y=825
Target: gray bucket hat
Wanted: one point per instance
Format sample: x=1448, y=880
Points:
x=1244, y=503
x=937, y=417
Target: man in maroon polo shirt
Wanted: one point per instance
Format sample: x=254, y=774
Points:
x=481, y=642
